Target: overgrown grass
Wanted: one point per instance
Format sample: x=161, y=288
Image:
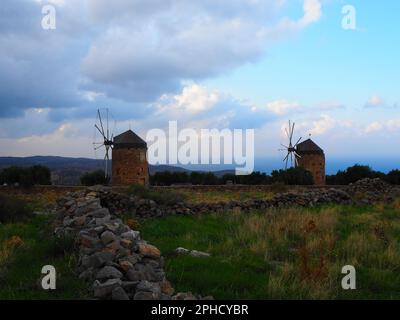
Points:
x=24, y=249
x=13, y=209
x=166, y=197
x=284, y=254
x=201, y=196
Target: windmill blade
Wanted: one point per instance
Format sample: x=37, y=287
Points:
x=97, y=148
x=298, y=141
x=287, y=133
x=101, y=122
x=291, y=133
x=287, y=157
x=100, y=131
x=108, y=132
x=284, y=146
x=297, y=155
x=291, y=159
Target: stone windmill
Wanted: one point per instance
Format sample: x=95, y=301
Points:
x=306, y=154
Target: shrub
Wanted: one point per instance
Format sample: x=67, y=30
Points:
x=94, y=178
x=26, y=177
x=166, y=197
x=393, y=177
x=13, y=209
x=293, y=176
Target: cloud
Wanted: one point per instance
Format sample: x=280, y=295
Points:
x=200, y=107
x=374, y=101
x=392, y=125
x=282, y=107
x=130, y=51
x=147, y=49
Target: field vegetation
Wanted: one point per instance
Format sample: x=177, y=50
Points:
x=284, y=253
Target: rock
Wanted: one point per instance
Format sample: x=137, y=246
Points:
x=88, y=241
x=199, y=254
x=97, y=259
x=126, y=243
x=108, y=272
x=100, y=213
x=181, y=250
x=148, y=250
x=131, y=235
x=119, y=294
x=142, y=295
x=103, y=290
x=184, y=296
x=107, y=237
x=166, y=288
x=125, y=265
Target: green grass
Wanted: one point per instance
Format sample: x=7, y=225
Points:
x=20, y=268
x=284, y=254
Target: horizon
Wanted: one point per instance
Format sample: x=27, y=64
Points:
x=267, y=165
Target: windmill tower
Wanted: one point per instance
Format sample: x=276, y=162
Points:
x=306, y=154
x=129, y=160
x=312, y=158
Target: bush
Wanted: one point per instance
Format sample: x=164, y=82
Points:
x=165, y=197
x=13, y=209
x=94, y=178
x=293, y=176
x=393, y=177
x=26, y=177
x=356, y=173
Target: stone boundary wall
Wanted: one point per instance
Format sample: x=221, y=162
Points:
x=113, y=258
x=364, y=192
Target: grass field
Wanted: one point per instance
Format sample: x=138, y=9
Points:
x=289, y=253
x=199, y=196
x=284, y=254
x=28, y=245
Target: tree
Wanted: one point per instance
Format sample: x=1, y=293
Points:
x=293, y=176
x=41, y=175
x=94, y=178
x=393, y=177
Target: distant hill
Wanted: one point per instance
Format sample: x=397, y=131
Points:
x=67, y=171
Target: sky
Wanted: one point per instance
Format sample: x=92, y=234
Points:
x=237, y=64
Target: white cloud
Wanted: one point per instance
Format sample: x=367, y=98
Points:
x=194, y=99
x=388, y=125
x=374, y=102
x=282, y=107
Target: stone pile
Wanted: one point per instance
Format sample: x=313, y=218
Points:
x=369, y=191
x=112, y=257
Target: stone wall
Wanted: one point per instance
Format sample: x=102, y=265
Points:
x=364, y=192
x=113, y=258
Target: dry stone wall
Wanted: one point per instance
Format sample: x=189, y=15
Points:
x=113, y=259
x=363, y=192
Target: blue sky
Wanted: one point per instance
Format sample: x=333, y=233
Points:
x=235, y=64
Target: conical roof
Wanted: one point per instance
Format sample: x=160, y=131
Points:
x=308, y=146
x=129, y=139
